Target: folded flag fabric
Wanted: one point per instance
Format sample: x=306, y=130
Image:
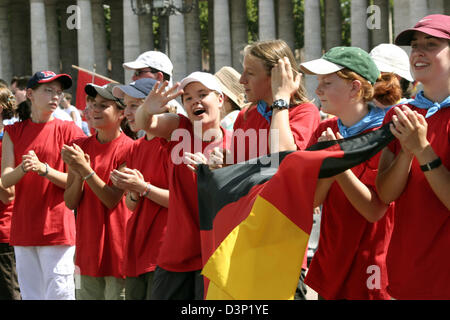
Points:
x=255, y=219
x=85, y=77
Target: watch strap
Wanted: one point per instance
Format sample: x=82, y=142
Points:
x=431, y=165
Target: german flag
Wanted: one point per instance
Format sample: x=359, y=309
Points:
x=255, y=218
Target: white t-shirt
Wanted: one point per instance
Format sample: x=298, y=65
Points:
x=71, y=109
x=61, y=114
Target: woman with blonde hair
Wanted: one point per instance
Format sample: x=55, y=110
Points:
x=9, y=287
x=280, y=111
x=279, y=117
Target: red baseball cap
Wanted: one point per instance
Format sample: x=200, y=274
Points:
x=49, y=76
x=436, y=25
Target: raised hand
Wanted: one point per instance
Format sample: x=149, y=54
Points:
x=157, y=99
x=284, y=82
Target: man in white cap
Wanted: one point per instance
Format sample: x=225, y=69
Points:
x=155, y=65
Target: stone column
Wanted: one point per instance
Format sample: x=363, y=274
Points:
x=20, y=37
x=39, y=50
x=98, y=26
x=146, y=33
x=286, y=22
x=86, y=52
x=239, y=35
x=333, y=24
x=419, y=9
x=52, y=36
x=313, y=42
x=193, y=39
x=177, y=45
x=69, y=44
x=359, y=31
x=222, y=37
x=436, y=6
x=266, y=20
x=117, y=71
x=6, y=71
x=401, y=19
x=131, y=48
x=384, y=33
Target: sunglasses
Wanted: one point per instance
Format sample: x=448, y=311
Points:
x=137, y=73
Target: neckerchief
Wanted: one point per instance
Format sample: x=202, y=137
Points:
x=372, y=120
x=262, y=107
x=423, y=103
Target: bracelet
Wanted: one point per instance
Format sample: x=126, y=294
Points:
x=21, y=167
x=147, y=190
x=131, y=198
x=46, y=170
x=431, y=165
x=89, y=175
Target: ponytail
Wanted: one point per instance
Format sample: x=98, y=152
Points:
x=387, y=89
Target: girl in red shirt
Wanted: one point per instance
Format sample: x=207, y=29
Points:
x=146, y=183
x=101, y=211
x=42, y=227
x=9, y=287
x=177, y=275
x=350, y=259
x=414, y=169
x=279, y=118
x=280, y=114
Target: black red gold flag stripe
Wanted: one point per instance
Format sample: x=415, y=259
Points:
x=255, y=219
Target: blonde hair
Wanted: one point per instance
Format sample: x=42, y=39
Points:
x=8, y=103
x=270, y=51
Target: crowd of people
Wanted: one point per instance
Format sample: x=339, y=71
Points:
x=103, y=204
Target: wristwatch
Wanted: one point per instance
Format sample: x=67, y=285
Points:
x=431, y=165
x=280, y=104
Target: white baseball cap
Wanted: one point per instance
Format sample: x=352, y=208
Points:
x=153, y=59
x=205, y=78
x=391, y=58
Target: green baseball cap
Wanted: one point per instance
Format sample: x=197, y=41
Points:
x=338, y=58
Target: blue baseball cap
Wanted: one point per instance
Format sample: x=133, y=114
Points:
x=49, y=76
x=138, y=89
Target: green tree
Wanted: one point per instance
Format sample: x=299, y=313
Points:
x=252, y=15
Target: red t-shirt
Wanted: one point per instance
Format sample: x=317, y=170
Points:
x=147, y=224
x=101, y=231
x=418, y=259
x=5, y=215
x=181, y=251
x=351, y=250
x=303, y=120
x=40, y=216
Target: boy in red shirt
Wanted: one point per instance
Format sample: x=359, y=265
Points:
x=101, y=211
